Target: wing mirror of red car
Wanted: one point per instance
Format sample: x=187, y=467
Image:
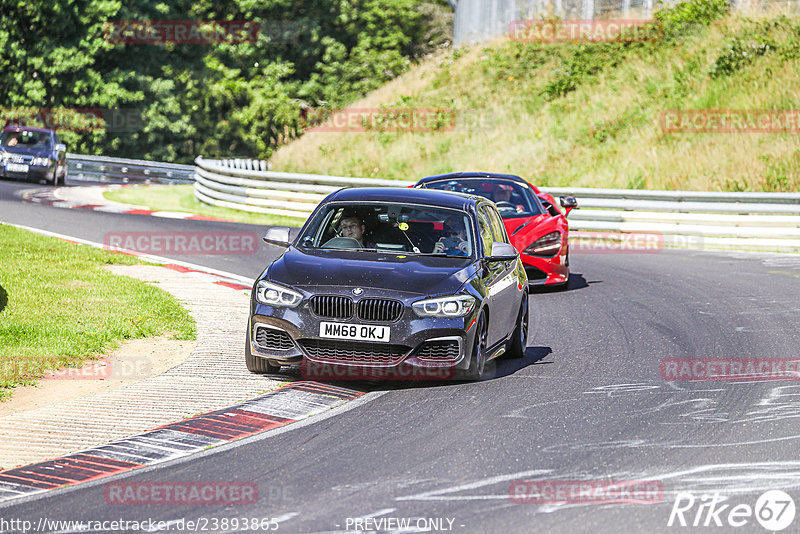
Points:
x=568, y=203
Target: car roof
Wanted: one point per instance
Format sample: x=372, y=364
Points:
x=26, y=129
x=470, y=174
x=433, y=197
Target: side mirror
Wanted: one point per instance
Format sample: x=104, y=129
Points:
x=278, y=236
x=568, y=203
x=502, y=252
x=61, y=147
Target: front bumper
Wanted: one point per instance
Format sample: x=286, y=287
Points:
x=545, y=271
x=33, y=173
x=418, y=348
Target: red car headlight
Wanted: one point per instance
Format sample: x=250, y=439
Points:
x=546, y=246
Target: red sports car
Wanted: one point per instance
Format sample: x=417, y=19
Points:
x=535, y=224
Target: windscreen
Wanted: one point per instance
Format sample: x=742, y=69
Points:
x=512, y=199
x=388, y=227
x=25, y=138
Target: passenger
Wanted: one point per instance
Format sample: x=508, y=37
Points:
x=454, y=238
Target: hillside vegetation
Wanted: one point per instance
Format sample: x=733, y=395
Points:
x=586, y=114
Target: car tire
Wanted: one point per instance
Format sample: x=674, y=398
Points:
x=477, y=361
x=519, y=339
x=54, y=181
x=255, y=364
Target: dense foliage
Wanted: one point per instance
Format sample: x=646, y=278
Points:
x=175, y=101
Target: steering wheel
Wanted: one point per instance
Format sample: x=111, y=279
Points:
x=504, y=204
x=342, y=242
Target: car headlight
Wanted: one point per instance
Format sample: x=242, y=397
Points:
x=453, y=306
x=275, y=295
x=41, y=162
x=547, y=245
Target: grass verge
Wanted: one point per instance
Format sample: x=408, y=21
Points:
x=181, y=198
x=60, y=307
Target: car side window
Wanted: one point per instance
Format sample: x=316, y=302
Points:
x=485, y=228
x=498, y=229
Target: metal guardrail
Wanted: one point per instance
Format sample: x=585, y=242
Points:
x=118, y=170
x=237, y=184
x=687, y=219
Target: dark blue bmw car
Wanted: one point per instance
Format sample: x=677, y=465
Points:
x=391, y=283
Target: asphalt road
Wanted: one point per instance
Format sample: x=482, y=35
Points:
x=587, y=403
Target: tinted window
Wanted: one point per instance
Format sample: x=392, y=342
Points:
x=485, y=228
x=498, y=228
x=513, y=199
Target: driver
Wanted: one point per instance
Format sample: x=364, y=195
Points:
x=353, y=227
x=503, y=194
x=454, y=238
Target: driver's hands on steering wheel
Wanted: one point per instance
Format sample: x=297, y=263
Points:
x=505, y=204
x=439, y=247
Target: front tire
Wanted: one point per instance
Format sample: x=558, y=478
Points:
x=255, y=364
x=519, y=339
x=477, y=363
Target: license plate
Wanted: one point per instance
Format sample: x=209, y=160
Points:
x=359, y=332
x=16, y=167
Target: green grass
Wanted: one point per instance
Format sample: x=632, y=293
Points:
x=587, y=114
x=60, y=307
x=181, y=198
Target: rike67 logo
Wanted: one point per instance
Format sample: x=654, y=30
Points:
x=774, y=510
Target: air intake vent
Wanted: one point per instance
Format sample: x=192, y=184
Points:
x=332, y=307
x=272, y=339
x=352, y=352
x=439, y=351
x=380, y=310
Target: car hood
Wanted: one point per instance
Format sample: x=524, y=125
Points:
x=423, y=275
